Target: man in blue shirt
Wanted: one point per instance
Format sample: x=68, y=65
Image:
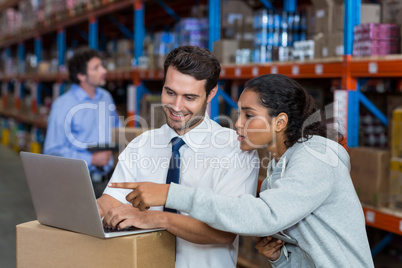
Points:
x=84, y=117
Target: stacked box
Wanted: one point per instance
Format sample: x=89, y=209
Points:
x=396, y=183
x=369, y=13
x=152, y=112
x=392, y=11
x=393, y=102
x=396, y=141
x=370, y=175
x=236, y=18
x=225, y=50
x=124, y=53
x=375, y=39
x=327, y=25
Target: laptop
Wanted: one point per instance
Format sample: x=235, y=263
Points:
x=63, y=196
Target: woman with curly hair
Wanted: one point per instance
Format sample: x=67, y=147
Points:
x=308, y=193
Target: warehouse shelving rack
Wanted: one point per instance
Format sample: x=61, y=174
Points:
x=348, y=69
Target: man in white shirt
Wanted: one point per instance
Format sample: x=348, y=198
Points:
x=210, y=158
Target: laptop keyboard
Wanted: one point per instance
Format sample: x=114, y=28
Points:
x=127, y=229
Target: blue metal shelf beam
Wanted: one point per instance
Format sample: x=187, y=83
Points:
x=351, y=19
x=83, y=34
x=121, y=27
x=168, y=10
x=214, y=22
x=21, y=52
x=61, y=47
x=267, y=4
x=38, y=48
x=290, y=5
x=353, y=119
x=93, y=33
x=373, y=109
x=139, y=30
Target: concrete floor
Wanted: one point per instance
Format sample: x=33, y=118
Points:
x=15, y=204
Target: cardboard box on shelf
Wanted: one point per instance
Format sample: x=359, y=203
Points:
x=318, y=45
x=234, y=10
x=322, y=3
x=151, y=112
x=392, y=11
x=393, y=102
x=225, y=50
x=370, y=175
x=310, y=15
x=370, y=13
x=323, y=19
x=42, y=246
x=124, y=135
x=335, y=45
x=396, y=140
x=396, y=183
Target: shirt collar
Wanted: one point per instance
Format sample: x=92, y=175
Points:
x=196, y=137
x=82, y=95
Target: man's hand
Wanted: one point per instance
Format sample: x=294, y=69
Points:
x=101, y=159
x=269, y=247
x=144, y=194
x=126, y=215
x=101, y=213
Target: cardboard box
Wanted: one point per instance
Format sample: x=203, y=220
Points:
x=234, y=10
x=318, y=45
x=392, y=11
x=370, y=13
x=370, y=175
x=225, y=50
x=322, y=3
x=335, y=45
x=310, y=17
x=393, y=102
x=323, y=19
x=42, y=246
x=151, y=112
x=396, y=141
x=123, y=136
x=396, y=183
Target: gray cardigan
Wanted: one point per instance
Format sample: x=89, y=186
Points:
x=308, y=194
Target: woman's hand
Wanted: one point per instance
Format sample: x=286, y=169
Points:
x=269, y=247
x=144, y=194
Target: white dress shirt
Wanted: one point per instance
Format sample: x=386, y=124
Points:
x=211, y=158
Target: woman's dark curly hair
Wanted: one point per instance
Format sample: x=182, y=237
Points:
x=281, y=94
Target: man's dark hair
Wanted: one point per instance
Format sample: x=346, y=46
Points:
x=79, y=62
x=198, y=62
